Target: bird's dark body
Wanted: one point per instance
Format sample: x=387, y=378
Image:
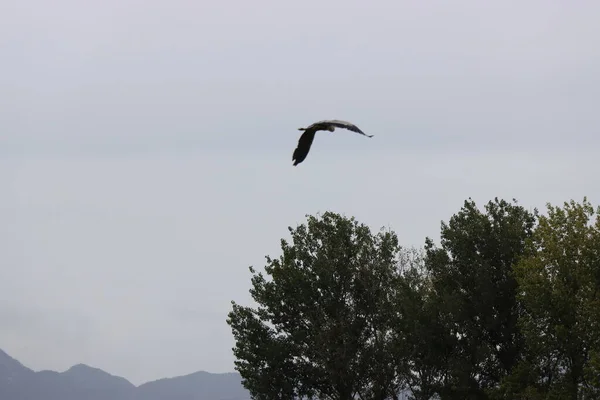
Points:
x=306, y=139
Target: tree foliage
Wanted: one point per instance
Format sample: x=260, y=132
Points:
x=476, y=295
x=506, y=307
x=323, y=322
x=560, y=289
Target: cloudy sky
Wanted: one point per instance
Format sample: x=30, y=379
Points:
x=145, y=150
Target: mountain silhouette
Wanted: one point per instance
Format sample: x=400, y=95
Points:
x=18, y=382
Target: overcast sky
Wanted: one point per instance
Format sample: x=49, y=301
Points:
x=146, y=150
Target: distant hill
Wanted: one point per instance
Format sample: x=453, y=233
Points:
x=79, y=382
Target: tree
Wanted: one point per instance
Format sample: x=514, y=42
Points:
x=560, y=289
x=323, y=325
x=426, y=340
x=474, y=297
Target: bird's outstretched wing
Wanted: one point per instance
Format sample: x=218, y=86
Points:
x=342, y=124
x=303, y=147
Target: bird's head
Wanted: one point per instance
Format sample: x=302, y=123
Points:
x=331, y=128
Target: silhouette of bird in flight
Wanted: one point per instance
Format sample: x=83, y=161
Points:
x=308, y=136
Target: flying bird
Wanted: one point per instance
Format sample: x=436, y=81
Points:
x=308, y=136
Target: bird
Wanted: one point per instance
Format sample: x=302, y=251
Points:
x=308, y=136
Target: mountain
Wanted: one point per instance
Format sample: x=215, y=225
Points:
x=18, y=382
x=199, y=385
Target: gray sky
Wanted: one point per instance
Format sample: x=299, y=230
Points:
x=145, y=150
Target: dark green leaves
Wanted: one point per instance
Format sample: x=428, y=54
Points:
x=323, y=321
x=506, y=307
x=560, y=290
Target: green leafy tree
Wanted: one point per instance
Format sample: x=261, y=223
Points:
x=560, y=289
x=474, y=298
x=323, y=327
x=425, y=341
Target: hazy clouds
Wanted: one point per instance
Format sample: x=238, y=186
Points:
x=145, y=150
